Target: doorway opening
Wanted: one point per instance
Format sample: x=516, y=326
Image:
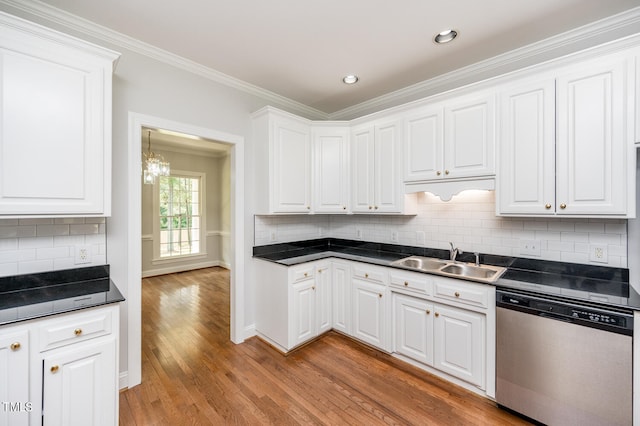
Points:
x=235, y=146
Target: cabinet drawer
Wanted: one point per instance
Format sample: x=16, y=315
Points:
x=420, y=283
x=467, y=293
x=302, y=273
x=74, y=328
x=371, y=274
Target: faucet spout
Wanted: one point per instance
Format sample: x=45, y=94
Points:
x=454, y=252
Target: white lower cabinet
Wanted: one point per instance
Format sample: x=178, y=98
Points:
x=61, y=370
x=459, y=343
x=446, y=325
x=14, y=377
x=79, y=384
x=413, y=329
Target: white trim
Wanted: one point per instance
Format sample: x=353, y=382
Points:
x=558, y=45
x=214, y=233
x=134, y=226
x=181, y=268
x=178, y=259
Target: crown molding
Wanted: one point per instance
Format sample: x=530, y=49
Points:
x=562, y=44
x=86, y=27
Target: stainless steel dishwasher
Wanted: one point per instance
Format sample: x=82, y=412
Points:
x=561, y=362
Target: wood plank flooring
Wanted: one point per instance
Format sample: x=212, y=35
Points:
x=192, y=374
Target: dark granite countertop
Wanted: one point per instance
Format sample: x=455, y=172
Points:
x=30, y=296
x=596, y=284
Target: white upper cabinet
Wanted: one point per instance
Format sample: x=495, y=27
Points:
x=594, y=145
x=283, y=162
x=567, y=142
x=55, y=144
x=451, y=140
x=526, y=179
x=331, y=169
x=376, y=170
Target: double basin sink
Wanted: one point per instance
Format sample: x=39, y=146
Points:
x=449, y=268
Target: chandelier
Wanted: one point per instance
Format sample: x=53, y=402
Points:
x=154, y=165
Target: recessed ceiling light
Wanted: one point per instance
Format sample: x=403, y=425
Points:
x=350, y=79
x=445, y=36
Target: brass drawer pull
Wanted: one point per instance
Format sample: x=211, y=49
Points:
x=428, y=312
x=77, y=331
x=15, y=346
x=457, y=294
x=54, y=369
x=406, y=284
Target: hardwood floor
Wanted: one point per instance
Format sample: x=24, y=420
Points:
x=193, y=374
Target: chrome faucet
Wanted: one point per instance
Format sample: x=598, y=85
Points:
x=454, y=252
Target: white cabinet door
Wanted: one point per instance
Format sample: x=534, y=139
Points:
x=413, y=328
x=291, y=167
x=331, y=170
x=341, y=294
x=424, y=143
x=15, y=403
x=388, y=190
x=324, y=299
x=369, y=313
x=593, y=146
x=362, y=170
x=469, y=137
x=55, y=144
x=80, y=384
x=459, y=343
x=303, y=320
x=526, y=181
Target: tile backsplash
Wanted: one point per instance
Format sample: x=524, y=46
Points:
x=40, y=245
x=469, y=221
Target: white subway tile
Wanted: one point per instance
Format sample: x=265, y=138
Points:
x=51, y=230
x=84, y=229
x=8, y=269
x=36, y=242
x=32, y=267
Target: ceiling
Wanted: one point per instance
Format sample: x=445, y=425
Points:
x=301, y=49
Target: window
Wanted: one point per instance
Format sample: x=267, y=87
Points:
x=180, y=214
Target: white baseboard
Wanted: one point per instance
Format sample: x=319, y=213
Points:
x=123, y=380
x=249, y=331
x=181, y=268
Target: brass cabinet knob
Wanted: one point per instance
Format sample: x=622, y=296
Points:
x=438, y=173
x=428, y=312
x=456, y=294
x=15, y=346
x=437, y=314
x=563, y=206
x=380, y=295
x=308, y=207
x=370, y=207
x=77, y=331
x=406, y=284
x=54, y=369
x=446, y=172
x=313, y=287
x=547, y=206
x=366, y=275
x=344, y=207
x=375, y=207
x=306, y=274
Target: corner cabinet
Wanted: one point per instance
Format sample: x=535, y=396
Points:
x=330, y=169
x=282, y=162
x=567, y=142
x=55, y=146
x=61, y=370
x=376, y=169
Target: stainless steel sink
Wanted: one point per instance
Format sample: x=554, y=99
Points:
x=482, y=273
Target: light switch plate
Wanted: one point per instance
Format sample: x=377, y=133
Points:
x=530, y=247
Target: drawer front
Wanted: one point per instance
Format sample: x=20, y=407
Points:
x=302, y=273
x=467, y=293
x=74, y=328
x=371, y=274
x=420, y=283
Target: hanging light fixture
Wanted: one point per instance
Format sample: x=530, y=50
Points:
x=155, y=165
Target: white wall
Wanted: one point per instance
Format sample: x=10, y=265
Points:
x=469, y=221
x=217, y=227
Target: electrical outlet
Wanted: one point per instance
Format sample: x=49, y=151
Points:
x=421, y=238
x=273, y=236
x=530, y=247
x=359, y=234
x=394, y=236
x=83, y=254
x=598, y=253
